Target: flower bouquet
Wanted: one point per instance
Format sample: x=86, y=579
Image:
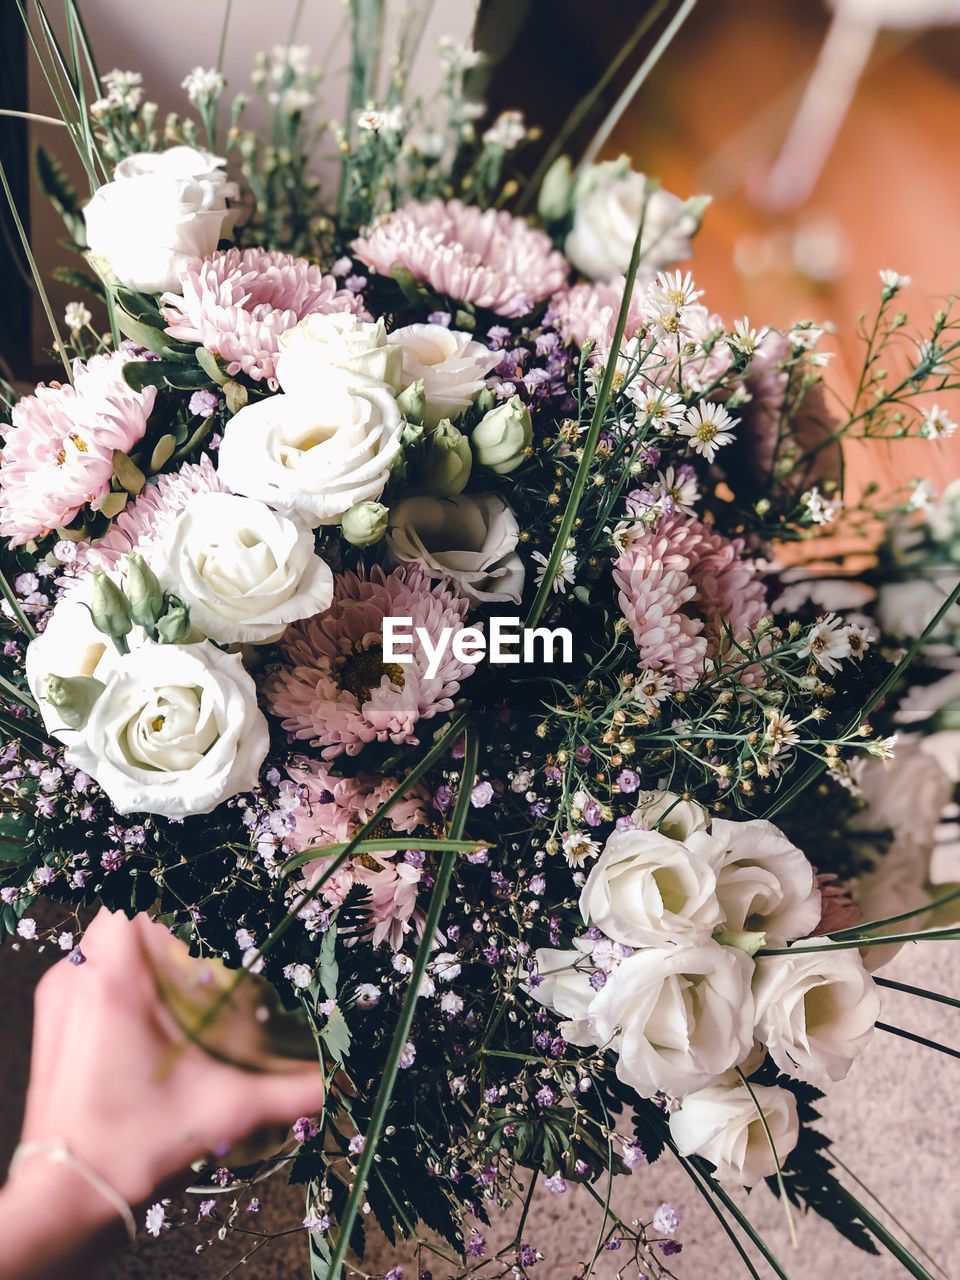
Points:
x=396, y=609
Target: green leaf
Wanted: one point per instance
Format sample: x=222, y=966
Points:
x=128, y=473
x=146, y=335
x=59, y=190
x=336, y=1035
x=211, y=365
x=162, y=452
x=79, y=280
x=14, y=845
x=235, y=395
x=329, y=969
x=141, y=306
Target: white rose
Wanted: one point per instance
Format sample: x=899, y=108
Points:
x=672, y=816
x=678, y=1017
x=646, y=889
x=176, y=731
x=815, y=1012
x=313, y=458
x=607, y=218
x=162, y=210
x=722, y=1123
x=358, y=348
x=765, y=884
x=451, y=364
x=243, y=570
x=470, y=539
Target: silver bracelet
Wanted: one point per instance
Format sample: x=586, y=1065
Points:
x=59, y=1153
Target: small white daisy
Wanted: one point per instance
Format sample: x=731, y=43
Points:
x=827, y=643
x=578, y=847
x=820, y=509
x=664, y=410
x=744, y=339
x=565, y=572
x=675, y=490
x=651, y=688
x=937, y=424
x=708, y=426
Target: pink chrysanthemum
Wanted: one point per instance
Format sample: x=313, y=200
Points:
x=482, y=256
x=237, y=303
x=587, y=311
x=681, y=584
x=330, y=811
x=150, y=518
x=333, y=687
x=58, y=454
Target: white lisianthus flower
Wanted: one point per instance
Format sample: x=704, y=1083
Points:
x=765, y=884
x=452, y=365
x=607, y=217
x=359, y=348
x=670, y=814
x=314, y=457
x=243, y=570
x=564, y=985
x=646, y=889
x=469, y=539
x=70, y=646
x=678, y=1017
x=722, y=1123
x=815, y=1012
x=176, y=731
x=162, y=210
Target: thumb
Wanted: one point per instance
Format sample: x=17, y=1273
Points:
x=279, y=1098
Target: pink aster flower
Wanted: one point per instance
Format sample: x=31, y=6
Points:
x=681, y=585
x=483, y=256
x=585, y=312
x=151, y=518
x=58, y=455
x=237, y=303
x=333, y=687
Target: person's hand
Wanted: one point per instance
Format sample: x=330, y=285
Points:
x=111, y=1078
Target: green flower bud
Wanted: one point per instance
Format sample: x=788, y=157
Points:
x=174, y=627
x=143, y=592
x=411, y=434
x=73, y=697
x=110, y=611
x=445, y=460
x=485, y=401
x=556, y=191
x=365, y=523
x=412, y=401
x=501, y=439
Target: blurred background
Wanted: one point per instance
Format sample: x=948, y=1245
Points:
x=827, y=135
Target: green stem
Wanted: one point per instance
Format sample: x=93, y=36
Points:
x=893, y=1218
x=847, y=944
x=784, y=1198
x=587, y=102
x=8, y=593
x=922, y=992
x=910, y=1035
x=703, y=1188
x=37, y=278
x=405, y=1020
x=388, y=845
x=860, y=930
x=889, y=1242
x=580, y=480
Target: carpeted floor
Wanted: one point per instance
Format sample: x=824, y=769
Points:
x=897, y=1114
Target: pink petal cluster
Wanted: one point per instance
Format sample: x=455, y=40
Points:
x=151, y=517
x=330, y=811
x=58, y=453
x=588, y=312
x=680, y=585
x=483, y=256
x=237, y=303
x=333, y=688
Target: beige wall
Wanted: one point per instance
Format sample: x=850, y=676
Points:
x=165, y=41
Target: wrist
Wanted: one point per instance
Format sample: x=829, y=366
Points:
x=56, y=1191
